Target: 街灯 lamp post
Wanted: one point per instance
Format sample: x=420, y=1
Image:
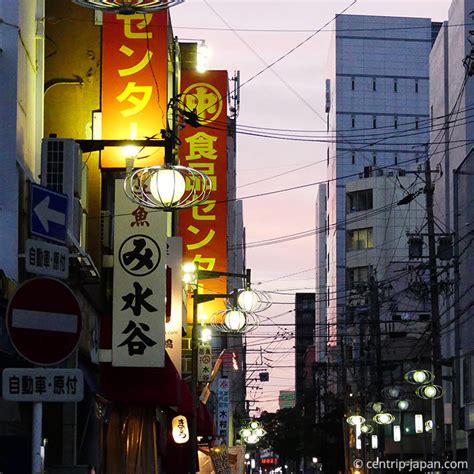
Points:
x=235, y=321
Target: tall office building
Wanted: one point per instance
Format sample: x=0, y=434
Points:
x=377, y=118
x=451, y=99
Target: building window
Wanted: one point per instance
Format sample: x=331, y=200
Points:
x=359, y=200
x=374, y=121
x=374, y=84
x=353, y=83
x=374, y=159
x=395, y=85
x=353, y=158
x=353, y=121
x=416, y=86
x=360, y=239
x=395, y=160
x=395, y=122
x=355, y=276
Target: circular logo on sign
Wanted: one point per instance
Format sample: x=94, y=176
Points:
x=205, y=100
x=139, y=255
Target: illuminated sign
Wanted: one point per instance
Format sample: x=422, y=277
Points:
x=204, y=227
x=134, y=83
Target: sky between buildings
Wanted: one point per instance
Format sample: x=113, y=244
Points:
x=249, y=35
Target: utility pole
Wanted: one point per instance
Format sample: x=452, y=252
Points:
x=438, y=422
x=377, y=370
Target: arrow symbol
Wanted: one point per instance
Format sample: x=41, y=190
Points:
x=45, y=214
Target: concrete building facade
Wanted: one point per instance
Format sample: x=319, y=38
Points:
x=377, y=111
x=452, y=132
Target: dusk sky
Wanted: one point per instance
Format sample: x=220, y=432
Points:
x=249, y=35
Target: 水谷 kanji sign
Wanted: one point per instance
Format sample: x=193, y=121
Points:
x=204, y=227
x=42, y=385
x=134, y=83
x=138, y=326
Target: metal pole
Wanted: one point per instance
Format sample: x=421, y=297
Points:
x=37, y=422
x=438, y=422
x=194, y=357
x=456, y=372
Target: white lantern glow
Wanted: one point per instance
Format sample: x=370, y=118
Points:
x=235, y=320
x=247, y=301
x=397, y=433
x=180, y=429
x=375, y=442
x=419, y=427
x=167, y=186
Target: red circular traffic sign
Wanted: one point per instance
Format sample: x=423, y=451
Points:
x=44, y=321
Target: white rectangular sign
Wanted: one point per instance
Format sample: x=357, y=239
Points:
x=138, y=326
x=48, y=259
x=223, y=409
x=204, y=362
x=174, y=323
x=43, y=385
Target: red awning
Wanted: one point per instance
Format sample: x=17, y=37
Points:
x=204, y=419
x=157, y=386
x=154, y=386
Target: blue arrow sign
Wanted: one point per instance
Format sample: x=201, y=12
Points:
x=48, y=213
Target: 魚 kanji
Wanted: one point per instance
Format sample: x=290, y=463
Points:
x=140, y=217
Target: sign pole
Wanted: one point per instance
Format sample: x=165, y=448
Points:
x=37, y=461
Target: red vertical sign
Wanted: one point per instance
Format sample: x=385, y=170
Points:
x=134, y=83
x=204, y=228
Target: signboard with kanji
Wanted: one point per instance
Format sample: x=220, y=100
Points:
x=139, y=288
x=204, y=227
x=204, y=362
x=134, y=83
x=223, y=409
x=174, y=323
x=47, y=259
x=42, y=385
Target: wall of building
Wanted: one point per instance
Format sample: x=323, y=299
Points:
x=20, y=116
x=379, y=89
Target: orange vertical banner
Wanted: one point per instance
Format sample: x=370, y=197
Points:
x=134, y=83
x=204, y=227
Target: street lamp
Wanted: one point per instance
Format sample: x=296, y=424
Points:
x=419, y=377
x=167, y=187
x=384, y=418
x=355, y=420
x=128, y=7
x=430, y=392
x=192, y=275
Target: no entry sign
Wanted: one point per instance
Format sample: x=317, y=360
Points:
x=44, y=321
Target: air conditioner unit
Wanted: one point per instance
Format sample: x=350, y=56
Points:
x=63, y=171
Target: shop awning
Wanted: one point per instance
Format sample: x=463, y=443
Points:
x=205, y=419
x=144, y=385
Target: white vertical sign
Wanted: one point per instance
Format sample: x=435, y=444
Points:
x=174, y=325
x=223, y=409
x=204, y=368
x=138, y=327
